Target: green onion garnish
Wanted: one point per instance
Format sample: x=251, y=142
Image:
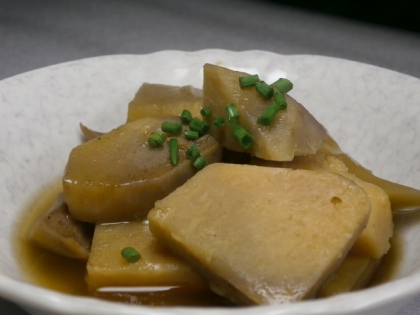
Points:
x=171, y=127
x=205, y=112
x=202, y=127
x=269, y=113
x=186, y=116
x=239, y=133
x=191, y=134
x=232, y=112
x=280, y=99
x=156, y=139
x=200, y=162
x=264, y=89
x=130, y=254
x=283, y=85
x=219, y=121
x=248, y=80
x=173, y=150
x=242, y=136
x=193, y=152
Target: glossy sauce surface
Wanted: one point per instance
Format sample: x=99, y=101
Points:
x=40, y=266
x=68, y=275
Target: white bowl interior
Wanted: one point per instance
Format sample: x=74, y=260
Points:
x=373, y=114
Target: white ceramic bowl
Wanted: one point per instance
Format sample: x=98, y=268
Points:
x=372, y=112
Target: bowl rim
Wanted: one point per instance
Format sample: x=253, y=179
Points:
x=44, y=299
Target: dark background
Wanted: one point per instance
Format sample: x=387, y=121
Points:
x=403, y=14
x=39, y=33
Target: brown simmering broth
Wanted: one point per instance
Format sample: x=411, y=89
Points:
x=40, y=266
x=66, y=275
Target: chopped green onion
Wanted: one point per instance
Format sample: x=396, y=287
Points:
x=242, y=136
x=239, y=133
x=202, y=127
x=280, y=99
x=171, y=127
x=219, y=121
x=205, y=112
x=193, y=152
x=232, y=112
x=283, y=85
x=191, y=134
x=156, y=139
x=200, y=162
x=173, y=150
x=269, y=113
x=186, y=116
x=264, y=89
x=248, y=80
x=130, y=254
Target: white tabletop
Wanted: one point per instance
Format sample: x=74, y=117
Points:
x=39, y=33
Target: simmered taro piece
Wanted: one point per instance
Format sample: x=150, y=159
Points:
x=56, y=231
x=293, y=131
x=373, y=242
x=262, y=235
x=159, y=100
x=354, y=273
x=401, y=197
x=119, y=176
x=156, y=267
